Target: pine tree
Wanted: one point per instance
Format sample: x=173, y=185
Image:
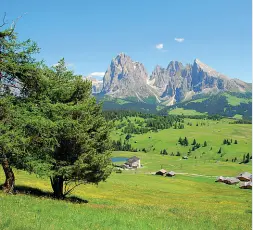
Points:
x=224, y=141
x=194, y=142
x=186, y=143
x=205, y=143
x=62, y=130
x=219, y=150
x=236, y=142
x=247, y=158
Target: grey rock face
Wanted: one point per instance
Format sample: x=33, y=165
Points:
x=178, y=81
x=125, y=78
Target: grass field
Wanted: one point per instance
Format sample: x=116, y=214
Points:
x=180, y=111
x=233, y=100
x=213, y=132
x=135, y=199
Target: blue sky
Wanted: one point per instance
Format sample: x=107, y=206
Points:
x=89, y=33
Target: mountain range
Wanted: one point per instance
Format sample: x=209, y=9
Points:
x=128, y=79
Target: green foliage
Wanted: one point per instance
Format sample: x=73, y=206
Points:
x=54, y=128
x=194, y=142
x=183, y=142
x=226, y=104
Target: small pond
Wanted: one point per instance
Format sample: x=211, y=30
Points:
x=119, y=159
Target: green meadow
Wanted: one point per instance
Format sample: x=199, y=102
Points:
x=187, y=112
x=137, y=199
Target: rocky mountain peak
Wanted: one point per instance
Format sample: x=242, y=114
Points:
x=175, y=65
x=126, y=78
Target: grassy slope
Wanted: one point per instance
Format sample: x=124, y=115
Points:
x=137, y=200
x=236, y=103
x=213, y=132
x=186, y=112
x=233, y=100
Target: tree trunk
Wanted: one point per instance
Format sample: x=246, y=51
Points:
x=57, y=186
x=9, y=184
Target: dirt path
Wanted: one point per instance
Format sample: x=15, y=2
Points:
x=187, y=174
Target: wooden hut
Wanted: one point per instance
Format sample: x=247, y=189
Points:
x=170, y=174
x=161, y=172
x=244, y=176
x=246, y=185
x=231, y=180
x=220, y=179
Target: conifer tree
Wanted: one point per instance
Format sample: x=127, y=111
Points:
x=54, y=128
x=186, y=143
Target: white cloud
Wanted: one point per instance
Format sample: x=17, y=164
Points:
x=179, y=39
x=159, y=46
x=97, y=74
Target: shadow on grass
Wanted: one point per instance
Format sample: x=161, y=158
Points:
x=22, y=189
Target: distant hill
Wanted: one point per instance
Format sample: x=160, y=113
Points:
x=229, y=104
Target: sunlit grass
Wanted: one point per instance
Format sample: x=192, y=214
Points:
x=135, y=199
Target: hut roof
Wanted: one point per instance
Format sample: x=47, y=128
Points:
x=171, y=173
x=246, y=185
x=162, y=171
x=133, y=159
x=245, y=175
x=220, y=179
x=231, y=180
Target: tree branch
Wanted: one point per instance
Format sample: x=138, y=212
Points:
x=70, y=190
x=4, y=23
x=13, y=24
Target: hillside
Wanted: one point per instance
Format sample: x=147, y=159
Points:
x=136, y=199
x=229, y=104
x=237, y=105
x=156, y=134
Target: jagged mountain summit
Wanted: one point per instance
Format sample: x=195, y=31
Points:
x=126, y=78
